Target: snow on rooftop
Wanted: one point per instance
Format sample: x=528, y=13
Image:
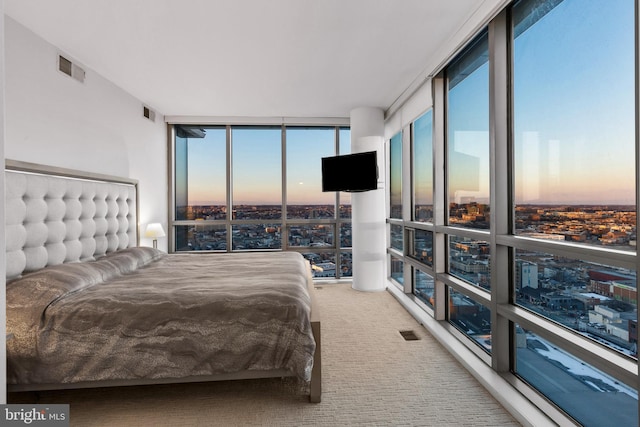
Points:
x=595, y=296
x=576, y=367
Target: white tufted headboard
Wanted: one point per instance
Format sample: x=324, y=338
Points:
x=56, y=215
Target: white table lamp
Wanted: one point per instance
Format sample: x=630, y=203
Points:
x=154, y=230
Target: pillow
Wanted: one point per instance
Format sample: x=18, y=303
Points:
x=130, y=259
x=29, y=296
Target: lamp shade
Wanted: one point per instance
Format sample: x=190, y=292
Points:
x=154, y=230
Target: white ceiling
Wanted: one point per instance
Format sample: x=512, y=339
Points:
x=291, y=58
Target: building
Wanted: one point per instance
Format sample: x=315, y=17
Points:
x=526, y=275
x=555, y=301
x=619, y=286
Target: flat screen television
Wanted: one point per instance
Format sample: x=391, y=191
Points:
x=350, y=172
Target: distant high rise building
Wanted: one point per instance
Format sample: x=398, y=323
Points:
x=526, y=274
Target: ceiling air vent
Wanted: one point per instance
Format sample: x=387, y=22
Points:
x=149, y=113
x=70, y=69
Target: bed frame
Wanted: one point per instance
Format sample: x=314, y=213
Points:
x=56, y=215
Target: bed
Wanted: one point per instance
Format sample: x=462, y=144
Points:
x=88, y=307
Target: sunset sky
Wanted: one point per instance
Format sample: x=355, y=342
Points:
x=575, y=107
x=257, y=165
x=573, y=111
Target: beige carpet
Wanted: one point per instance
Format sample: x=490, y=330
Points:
x=372, y=376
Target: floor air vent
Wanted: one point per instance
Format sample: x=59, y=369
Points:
x=409, y=335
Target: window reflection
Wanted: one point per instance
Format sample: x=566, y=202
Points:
x=397, y=238
x=469, y=260
x=346, y=264
x=468, y=136
x=424, y=287
x=423, y=167
x=395, y=178
x=422, y=246
x=574, y=165
x=323, y=264
x=589, y=395
x=471, y=318
x=346, y=236
x=397, y=270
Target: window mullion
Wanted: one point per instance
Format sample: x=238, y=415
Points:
x=284, y=233
x=501, y=285
x=229, y=184
x=439, y=195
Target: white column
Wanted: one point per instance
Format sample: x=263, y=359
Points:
x=368, y=214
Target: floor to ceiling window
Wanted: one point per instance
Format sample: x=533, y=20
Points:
x=420, y=233
x=395, y=175
x=422, y=168
x=260, y=188
x=574, y=197
x=200, y=183
x=467, y=189
x=256, y=196
x=310, y=212
x=538, y=138
x=468, y=136
x=396, y=229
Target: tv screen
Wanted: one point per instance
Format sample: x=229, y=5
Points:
x=350, y=172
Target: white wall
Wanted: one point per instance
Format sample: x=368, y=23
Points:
x=93, y=126
x=3, y=293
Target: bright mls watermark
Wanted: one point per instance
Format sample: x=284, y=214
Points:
x=34, y=415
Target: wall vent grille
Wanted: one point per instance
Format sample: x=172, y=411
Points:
x=64, y=65
x=70, y=69
x=149, y=113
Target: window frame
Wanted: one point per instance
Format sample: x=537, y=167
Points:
x=503, y=240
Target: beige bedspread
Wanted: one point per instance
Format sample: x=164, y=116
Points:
x=142, y=314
